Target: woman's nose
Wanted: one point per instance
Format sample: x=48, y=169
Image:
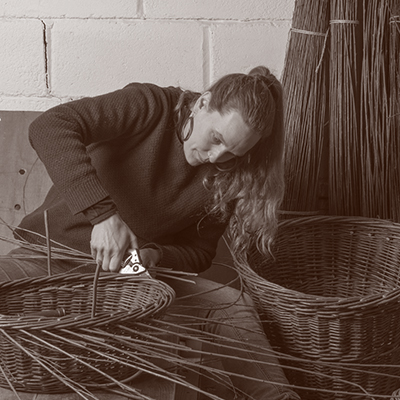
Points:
x=215, y=154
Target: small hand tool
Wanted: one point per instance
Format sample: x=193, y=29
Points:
x=133, y=265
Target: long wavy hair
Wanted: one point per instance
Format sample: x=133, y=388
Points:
x=250, y=193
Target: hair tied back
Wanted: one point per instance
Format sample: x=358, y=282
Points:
x=260, y=71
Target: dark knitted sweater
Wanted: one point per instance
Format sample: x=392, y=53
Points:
x=124, y=145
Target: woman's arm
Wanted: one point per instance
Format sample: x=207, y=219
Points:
x=61, y=135
x=192, y=249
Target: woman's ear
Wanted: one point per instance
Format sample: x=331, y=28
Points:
x=202, y=102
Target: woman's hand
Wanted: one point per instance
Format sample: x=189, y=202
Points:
x=150, y=257
x=111, y=240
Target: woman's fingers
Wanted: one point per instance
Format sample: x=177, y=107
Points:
x=108, y=260
x=115, y=263
x=111, y=239
x=150, y=257
x=96, y=255
x=105, y=262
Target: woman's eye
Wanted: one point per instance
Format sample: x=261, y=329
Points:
x=216, y=139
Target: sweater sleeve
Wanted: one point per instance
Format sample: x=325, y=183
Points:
x=194, y=248
x=61, y=135
x=100, y=211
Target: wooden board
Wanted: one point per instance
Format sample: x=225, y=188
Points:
x=23, y=179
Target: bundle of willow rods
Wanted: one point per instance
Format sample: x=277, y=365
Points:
x=361, y=105
x=376, y=176
x=71, y=355
x=394, y=108
x=154, y=347
x=304, y=83
x=344, y=162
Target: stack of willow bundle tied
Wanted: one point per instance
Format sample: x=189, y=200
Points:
x=376, y=176
x=304, y=82
x=344, y=163
x=394, y=106
x=356, y=96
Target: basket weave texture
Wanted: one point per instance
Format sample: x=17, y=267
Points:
x=331, y=294
x=119, y=299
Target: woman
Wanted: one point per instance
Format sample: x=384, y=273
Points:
x=167, y=171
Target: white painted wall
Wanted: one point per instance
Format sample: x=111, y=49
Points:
x=53, y=51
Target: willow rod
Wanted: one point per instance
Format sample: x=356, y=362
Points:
x=304, y=83
x=394, y=108
x=375, y=178
x=344, y=159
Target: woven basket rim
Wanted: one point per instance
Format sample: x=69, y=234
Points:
x=15, y=322
x=352, y=302
x=338, y=218
x=335, y=302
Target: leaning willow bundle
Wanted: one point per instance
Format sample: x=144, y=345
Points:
x=380, y=160
x=330, y=296
x=394, y=108
x=304, y=82
x=345, y=194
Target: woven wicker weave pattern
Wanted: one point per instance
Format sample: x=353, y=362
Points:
x=332, y=294
x=33, y=347
x=119, y=298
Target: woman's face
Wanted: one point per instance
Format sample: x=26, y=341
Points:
x=216, y=138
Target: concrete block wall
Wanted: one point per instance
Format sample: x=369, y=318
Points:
x=54, y=51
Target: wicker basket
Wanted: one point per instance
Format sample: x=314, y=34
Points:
x=332, y=295
x=118, y=299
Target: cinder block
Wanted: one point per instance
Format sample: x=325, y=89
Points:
x=96, y=56
x=71, y=9
x=220, y=9
x=22, y=57
x=240, y=47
